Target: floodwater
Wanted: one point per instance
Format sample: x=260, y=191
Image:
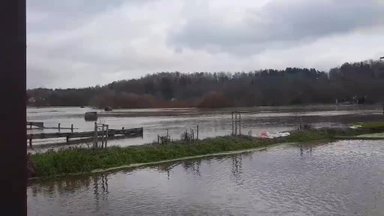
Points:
x=212, y=122
x=341, y=178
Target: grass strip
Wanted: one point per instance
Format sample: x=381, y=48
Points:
x=82, y=160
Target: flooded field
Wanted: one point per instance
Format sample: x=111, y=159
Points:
x=341, y=178
x=212, y=122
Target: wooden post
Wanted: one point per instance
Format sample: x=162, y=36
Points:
x=192, y=135
x=103, y=136
x=71, y=128
x=232, y=125
x=95, y=137
x=30, y=142
x=240, y=124
x=58, y=126
x=107, y=136
x=197, y=132
x=236, y=124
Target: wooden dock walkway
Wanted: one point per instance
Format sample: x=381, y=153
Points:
x=35, y=124
x=86, y=135
x=40, y=126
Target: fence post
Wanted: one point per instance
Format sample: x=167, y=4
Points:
x=71, y=128
x=95, y=137
x=236, y=121
x=103, y=136
x=197, y=132
x=107, y=136
x=192, y=135
x=58, y=126
x=232, y=124
x=240, y=124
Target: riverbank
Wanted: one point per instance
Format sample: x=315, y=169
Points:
x=81, y=161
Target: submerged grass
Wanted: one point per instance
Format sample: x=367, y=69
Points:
x=82, y=160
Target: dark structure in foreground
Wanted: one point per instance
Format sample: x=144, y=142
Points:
x=13, y=161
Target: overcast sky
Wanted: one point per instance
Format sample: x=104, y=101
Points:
x=79, y=43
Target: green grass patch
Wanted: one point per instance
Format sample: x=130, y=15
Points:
x=81, y=160
x=85, y=160
x=373, y=126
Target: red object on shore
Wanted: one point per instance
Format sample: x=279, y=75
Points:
x=264, y=135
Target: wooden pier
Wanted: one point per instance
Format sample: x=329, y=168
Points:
x=87, y=135
x=35, y=124
x=40, y=126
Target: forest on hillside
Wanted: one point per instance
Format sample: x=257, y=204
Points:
x=361, y=82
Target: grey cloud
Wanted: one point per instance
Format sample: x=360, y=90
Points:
x=71, y=6
x=68, y=14
x=279, y=23
x=76, y=43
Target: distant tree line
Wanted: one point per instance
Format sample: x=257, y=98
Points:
x=361, y=82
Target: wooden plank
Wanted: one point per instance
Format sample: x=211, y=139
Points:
x=86, y=140
x=61, y=128
x=68, y=135
x=36, y=124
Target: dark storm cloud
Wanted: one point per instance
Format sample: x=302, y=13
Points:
x=278, y=23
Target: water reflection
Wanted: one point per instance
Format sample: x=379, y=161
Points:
x=192, y=166
x=100, y=189
x=189, y=166
x=68, y=185
x=71, y=185
x=343, y=178
x=236, y=170
x=166, y=167
x=305, y=149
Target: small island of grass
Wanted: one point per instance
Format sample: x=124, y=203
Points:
x=82, y=160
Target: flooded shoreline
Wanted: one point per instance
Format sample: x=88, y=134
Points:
x=340, y=178
x=212, y=122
